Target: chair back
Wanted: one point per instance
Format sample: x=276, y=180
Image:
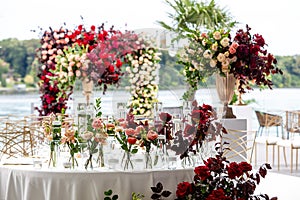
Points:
x=293, y=121
x=268, y=119
x=240, y=145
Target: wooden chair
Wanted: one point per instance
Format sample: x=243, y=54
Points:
x=292, y=122
x=294, y=145
x=292, y=142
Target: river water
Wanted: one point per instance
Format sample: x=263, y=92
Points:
x=276, y=99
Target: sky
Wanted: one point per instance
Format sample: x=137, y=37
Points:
x=277, y=21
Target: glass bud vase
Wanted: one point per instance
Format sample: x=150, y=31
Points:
x=188, y=161
x=148, y=160
x=100, y=158
x=54, y=154
x=126, y=163
x=160, y=155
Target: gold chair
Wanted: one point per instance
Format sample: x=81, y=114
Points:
x=16, y=139
x=240, y=145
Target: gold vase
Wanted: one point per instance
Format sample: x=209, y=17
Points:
x=225, y=88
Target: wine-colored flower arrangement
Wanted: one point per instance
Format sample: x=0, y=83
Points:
x=203, y=126
x=216, y=51
x=51, y=41
x=221, y=179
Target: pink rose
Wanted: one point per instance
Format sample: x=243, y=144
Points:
x=152, y=135
x=130, y=132
x=97, y=123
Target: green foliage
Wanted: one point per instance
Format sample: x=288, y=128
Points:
x=19, y=54
x=191, y=16
x=109, y=195
x=137, y=196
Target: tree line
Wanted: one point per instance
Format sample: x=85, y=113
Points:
x=18, y=60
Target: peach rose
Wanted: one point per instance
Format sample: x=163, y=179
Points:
x=152, y=135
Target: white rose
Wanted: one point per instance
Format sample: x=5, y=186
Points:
x=213, y=63
x=225, y=42
x=221, y=57
x=135, y=70
x=214, y=46
x=225, y=62
x=207, y=54
x=217, y=35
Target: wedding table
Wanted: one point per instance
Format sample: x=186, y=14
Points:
x=23, y=182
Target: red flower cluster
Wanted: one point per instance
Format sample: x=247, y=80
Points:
x=220, y=179
x=253, y=62
x=236, y=170
x=107, y=57
x=82, y=37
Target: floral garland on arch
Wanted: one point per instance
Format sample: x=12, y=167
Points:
x=56, y=45
x=142, y=70
x=51, y=41
x=107, y=58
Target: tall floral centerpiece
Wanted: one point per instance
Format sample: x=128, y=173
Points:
x=242, y=57
x=143, y=68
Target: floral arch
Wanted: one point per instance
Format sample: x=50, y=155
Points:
x=96, y=55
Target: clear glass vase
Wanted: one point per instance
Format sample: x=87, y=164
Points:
x=148, y=160
x=54, y=154
x=127, y=163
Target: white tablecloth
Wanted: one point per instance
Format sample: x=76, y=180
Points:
x=26, y=183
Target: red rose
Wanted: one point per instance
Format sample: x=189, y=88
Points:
x=111, y=69
x=93, y=28
x=183, y=189
x=234, y=170
x=131, y=140
x=202, y=171
x=119, y=63
x=165, y=117
x=245, y=167
x=218, y=194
